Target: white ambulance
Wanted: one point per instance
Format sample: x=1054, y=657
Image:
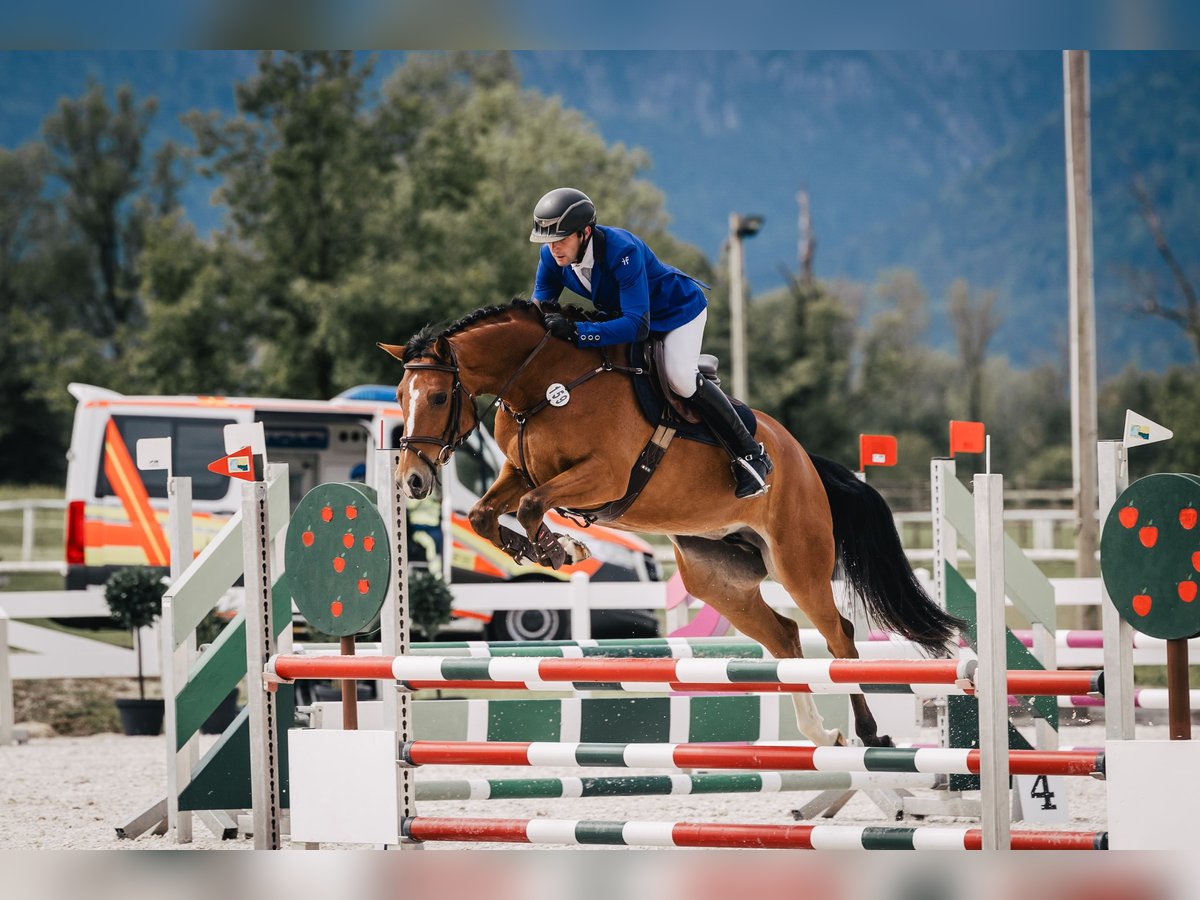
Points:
x=116, y=514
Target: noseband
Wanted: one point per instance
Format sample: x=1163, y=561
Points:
x=449, y=440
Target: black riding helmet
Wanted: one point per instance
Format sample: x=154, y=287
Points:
x=560, y=213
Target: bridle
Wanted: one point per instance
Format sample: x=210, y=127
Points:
x=450, y=440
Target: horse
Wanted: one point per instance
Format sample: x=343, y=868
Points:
x=571, y=430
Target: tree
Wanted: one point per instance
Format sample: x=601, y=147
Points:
x=301, y=167
x=975, y=324
x=96, y=151
x=803, y=338
x=1184, y=310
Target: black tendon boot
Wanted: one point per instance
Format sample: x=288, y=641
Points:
x=751, y=465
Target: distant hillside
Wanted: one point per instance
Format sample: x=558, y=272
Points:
x=1003, y=225
x=948, y=163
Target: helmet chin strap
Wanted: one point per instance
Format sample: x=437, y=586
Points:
x=583, y=245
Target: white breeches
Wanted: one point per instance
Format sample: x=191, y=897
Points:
x=681, y=351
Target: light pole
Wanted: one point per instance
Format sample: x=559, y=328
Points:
x=740, y=226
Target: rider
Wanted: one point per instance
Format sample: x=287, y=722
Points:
x=622, y=276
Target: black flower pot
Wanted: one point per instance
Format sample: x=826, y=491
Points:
x=222, y=716
x=140, y=717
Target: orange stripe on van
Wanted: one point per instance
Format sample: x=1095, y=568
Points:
x=127, y=483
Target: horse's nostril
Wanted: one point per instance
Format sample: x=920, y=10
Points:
x=414, y=482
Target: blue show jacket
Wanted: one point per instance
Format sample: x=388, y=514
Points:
x=628, y=280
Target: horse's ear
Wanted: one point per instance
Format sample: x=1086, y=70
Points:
x=396, y=350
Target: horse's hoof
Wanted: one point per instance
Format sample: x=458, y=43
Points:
x=576, y=551
x=879, y=741
x=836, y=738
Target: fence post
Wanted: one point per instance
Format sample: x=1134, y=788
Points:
x=174, y=661
x=991, y=678
x=28, y=524
x=7, y=714
x=581, y=607
x=1118, y=634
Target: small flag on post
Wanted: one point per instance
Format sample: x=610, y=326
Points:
x=967, y=437
x=240, y=464
x=876, y=450
x=1140, y=430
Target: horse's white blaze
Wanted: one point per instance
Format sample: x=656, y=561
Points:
x=413, y=396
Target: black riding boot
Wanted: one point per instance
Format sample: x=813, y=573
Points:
x=751, y=464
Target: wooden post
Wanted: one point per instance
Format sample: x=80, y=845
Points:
x=349, y=690
x=1076, y=101
x=1179, y=707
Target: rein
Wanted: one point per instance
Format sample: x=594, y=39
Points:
x=450, y=440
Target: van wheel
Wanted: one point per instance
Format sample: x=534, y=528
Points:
x=529, y=625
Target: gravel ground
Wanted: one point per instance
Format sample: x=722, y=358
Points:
x=71, y=793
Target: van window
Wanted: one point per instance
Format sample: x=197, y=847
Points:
x=474, y=467
x=194, y=444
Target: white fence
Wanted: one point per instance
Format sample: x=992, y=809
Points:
x=28, y=510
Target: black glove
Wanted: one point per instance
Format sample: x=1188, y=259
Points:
x=562, y=328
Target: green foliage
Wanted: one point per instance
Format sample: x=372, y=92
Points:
x=356, y=216
x=429, y=602
x=134, y=596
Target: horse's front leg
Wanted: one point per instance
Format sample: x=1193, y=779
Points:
x=586, y=485
x=501, y=498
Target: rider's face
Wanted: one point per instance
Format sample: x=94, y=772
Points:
x=566, y=251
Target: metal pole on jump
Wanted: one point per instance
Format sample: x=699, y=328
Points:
x=1118, y=634
x=991, y=678
x=177, y=660
x=394, y=622
x=260, y=647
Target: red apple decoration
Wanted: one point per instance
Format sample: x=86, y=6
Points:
x=347, y=540
x=1196, y=560
x=1128, y=516
x=339, y=564
x=368, y=543
x=351, y=512
x=307, y=538
x=364, y=586
x=1188, y=517
x=1148, y=536
x=336, y=608
x=327, y=514
x=1141, y=604
x=1187, y=591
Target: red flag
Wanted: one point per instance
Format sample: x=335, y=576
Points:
x=876, y=450
x=966, y=437
x=239, y=464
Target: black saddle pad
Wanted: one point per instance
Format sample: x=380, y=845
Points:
x=651, y=403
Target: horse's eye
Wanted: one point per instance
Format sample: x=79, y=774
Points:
x=439, y=399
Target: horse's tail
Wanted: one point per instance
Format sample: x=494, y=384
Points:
x=874, y=563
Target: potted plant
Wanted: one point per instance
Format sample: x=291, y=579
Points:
x=134, y=597
x=429, y=602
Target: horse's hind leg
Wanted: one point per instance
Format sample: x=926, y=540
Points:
x=727, y=577
x=814, y=596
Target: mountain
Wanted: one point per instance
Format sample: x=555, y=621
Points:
x=949, y=163
x=1002, y=225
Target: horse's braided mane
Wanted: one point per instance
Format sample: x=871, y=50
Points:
x=421, y=343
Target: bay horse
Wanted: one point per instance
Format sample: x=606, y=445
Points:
x=578, y=455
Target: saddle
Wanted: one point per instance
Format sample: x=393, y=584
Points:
x=660, y=404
